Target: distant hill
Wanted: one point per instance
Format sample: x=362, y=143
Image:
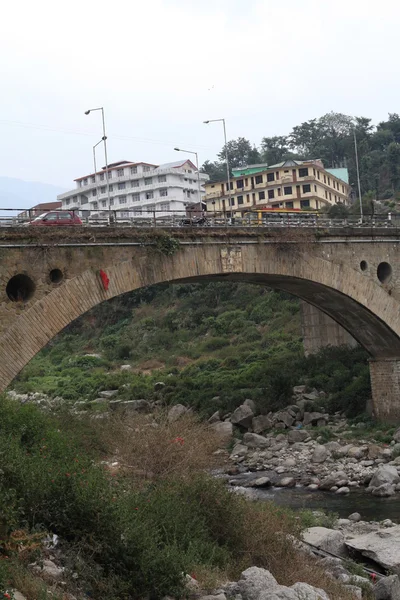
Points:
x=16, y=193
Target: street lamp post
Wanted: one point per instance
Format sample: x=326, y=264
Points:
x=228, y=171
x=104, y=139
x=95, y=166
x=358, y=175
x=198, y=173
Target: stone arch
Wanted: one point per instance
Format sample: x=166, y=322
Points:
x=356, y=302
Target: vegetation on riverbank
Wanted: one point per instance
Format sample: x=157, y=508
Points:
x=213, y=345
x=132, y=532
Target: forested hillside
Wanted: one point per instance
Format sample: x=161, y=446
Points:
x=330, y=138
x=212, y=344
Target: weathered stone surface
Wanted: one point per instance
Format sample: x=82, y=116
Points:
x=108, y=393
x=224, y=430
x=215, y=418
x=262, y=482
x=141, y=406
x=176, y=412
x=382, y=546
x=387, y=588
x=297, y=435
x=49, y=569
x=299, y=389
x=242, y=416
x=312, y=417
x=343, y=491
x=261, y=423
x=384, y=474
x=384, y=491
x=217, y=597
x=253, y=440
x=287, y=482
x=396, y=435
x=251, y=404
x=320, y=454
x=355, y=517
x=259, y=584
x=284, y=417
x=356, y=452
x=326, y=539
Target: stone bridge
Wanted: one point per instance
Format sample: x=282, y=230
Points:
x=49, y=277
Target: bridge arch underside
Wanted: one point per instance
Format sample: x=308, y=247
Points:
x=360, y=305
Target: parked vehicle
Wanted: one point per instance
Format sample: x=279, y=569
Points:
x=194, y=222
x=62, y=217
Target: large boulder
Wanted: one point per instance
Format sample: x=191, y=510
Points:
x=297, y=435
x=312, y=418
x=384, y=474
x=261, y=423
x=285, y=417
x=320, y=454
x=384, y=491
x=215, y=418
x=387, y=588
x=242, y=416
x=330, y=540
x=224, y=430
x=253, y=440
x=176, y=412
x=357, y=452
x=396, y=435
x=382, y=546
x=259, y=584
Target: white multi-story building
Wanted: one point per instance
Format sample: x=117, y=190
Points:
x=137, y=189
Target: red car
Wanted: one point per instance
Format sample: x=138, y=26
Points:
x=62, y=217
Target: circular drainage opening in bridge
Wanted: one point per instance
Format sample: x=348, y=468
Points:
x=56, y=275
x=20, y=288
x=363, y=265
x=384, y=272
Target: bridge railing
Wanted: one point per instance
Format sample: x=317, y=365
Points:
x=152, y=217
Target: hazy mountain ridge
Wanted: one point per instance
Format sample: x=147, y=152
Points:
x=19, y=194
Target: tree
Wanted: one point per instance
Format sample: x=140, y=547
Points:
x=215, y=170
x=240, y=153
x=275, y=149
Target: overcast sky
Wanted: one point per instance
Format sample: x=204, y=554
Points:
x=162, y=67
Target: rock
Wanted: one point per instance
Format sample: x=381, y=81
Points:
x=176, y=412
x=126, y=367
x=304, y=591
x=355, y=591
x=382, y=546
x=313, y=486
x=261, y=423
x=242, y=416
x=356, y=452
x=328, y=482
x=18, y=596
x=262, y=482
x=141, y=406
x=355, y=517
x=387, y=523
x=312, y=417
x=259, y=584
x=191, y=584
x=384, y=491
x=49, y=569
x=374, y=451
x=387, y=588
x=217, y=597
x=342, y=491
x=108, y=393
x=280, y=425
x=285, y=417
x=287, y=482
x=396, y=435
x=215, y=418
x=253, y=440
x=333, y=447
x=224, y=430
x=320, y=454
x=289, y=463
x=251, y=404
x=312, y=396
x=384, y=474
x=158, y=386
x=297, y=435
x=326, y=539
x=299, y=389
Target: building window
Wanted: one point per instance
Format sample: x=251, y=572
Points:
x=329, y=181
x=109, y=174
x=306, y=188
x=111, y=201
x=232, y=201
x=110, y=187
x=74, y=199
x=121, y=186
x=85, y=182
x=288, y=204
x=148, y=181
x=94, y=192
x=122, y=199
x=270, y=176
x=67, y=202
x=259, y=179
x=146, y=169
x=304, y=203
x=315, y=188
x=330, y=196
x=239, y=184
x=93, y=179
x=135, y=197
x=95, y=205
x=164, y=192
x=162, y=178
x=150, y=208
x=314, y=172
x=279, y=192
x=318, y=175
x=103, y=189
x=261, y=195
x=343, y=189
x=271, y=194
x=133, y=170
x=135, y=183
x=164, y=206
x=326, y=194
x=240, y=199
x=303, y=172
x=287, y=190
x=101, y=176
x=149, y=195
x=248, y=198
x=104, y=203
x=120, y=172
x=83, y=200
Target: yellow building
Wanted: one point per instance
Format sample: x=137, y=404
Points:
x=290, y=184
